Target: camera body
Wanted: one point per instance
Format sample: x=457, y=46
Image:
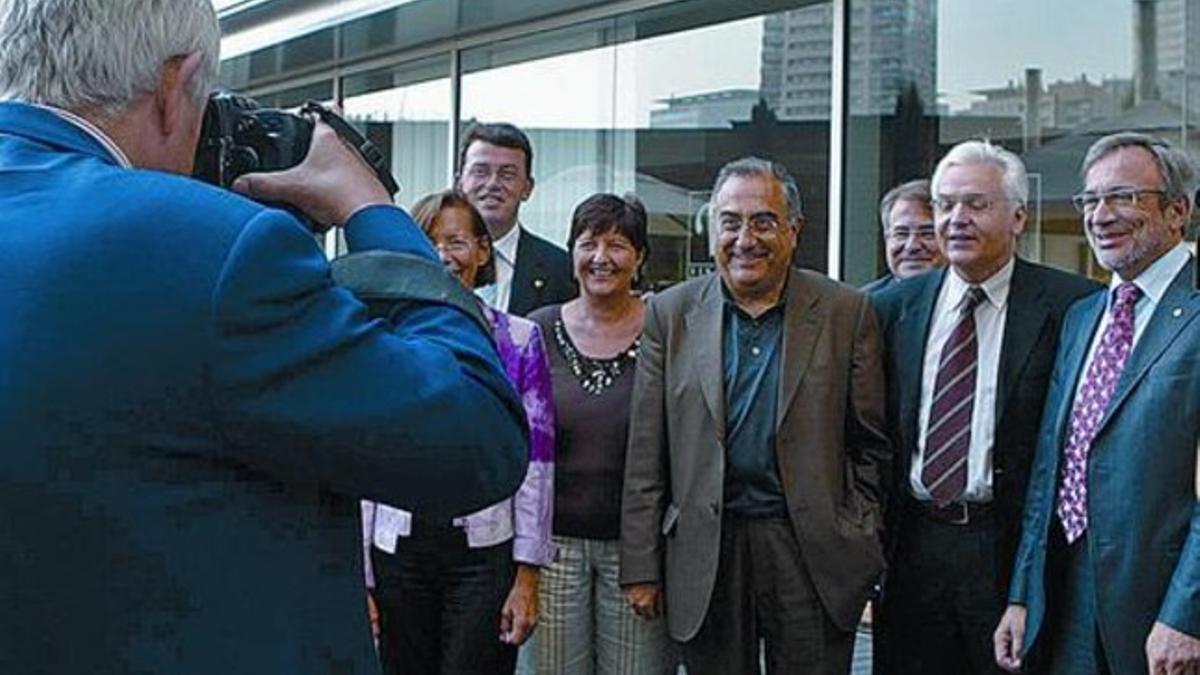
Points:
x=237, y=137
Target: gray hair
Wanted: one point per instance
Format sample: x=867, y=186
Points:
x=101, y=55
x=1174, y=165
x=912, y=191
x=1016, y=182
x=756, y=166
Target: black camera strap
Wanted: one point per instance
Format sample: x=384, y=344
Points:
x=365, y=148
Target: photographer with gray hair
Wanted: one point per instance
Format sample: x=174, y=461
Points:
x=191, y=408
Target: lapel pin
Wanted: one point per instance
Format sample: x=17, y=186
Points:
x=538, y=283
x=1177, y=312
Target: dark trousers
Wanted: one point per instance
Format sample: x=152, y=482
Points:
x=764, y=591
x=941, y=605
x=1076, y=648
x=439, y=605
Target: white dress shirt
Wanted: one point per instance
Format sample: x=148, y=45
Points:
x=91, y=130
x=1154, y=281
x=990, y=317
x=504, y=250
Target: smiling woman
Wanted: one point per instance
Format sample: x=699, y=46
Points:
x=585, y=620
x=478, y=575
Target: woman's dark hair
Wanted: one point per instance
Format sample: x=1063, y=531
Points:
x=426, y=211
x=605, y=212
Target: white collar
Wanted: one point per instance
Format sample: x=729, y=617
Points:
x=506, y=246
x=91, y=130
x=995, y=287
x=1155, y=279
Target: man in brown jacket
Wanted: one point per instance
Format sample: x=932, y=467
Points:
x=756, y=450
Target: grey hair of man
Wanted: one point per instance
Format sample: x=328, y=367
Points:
x=96, y=57
x=1175, y=167
x=912, y=191
x=754, y=166
x=757, y=166
x=1015, y=180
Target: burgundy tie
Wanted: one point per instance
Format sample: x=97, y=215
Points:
x=1090, y=405
x=948, y=438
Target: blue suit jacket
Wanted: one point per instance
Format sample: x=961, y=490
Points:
x=1143, y=515
x=190, y=411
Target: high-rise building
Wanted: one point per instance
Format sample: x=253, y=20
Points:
x=893, y=47
x=1178, y=51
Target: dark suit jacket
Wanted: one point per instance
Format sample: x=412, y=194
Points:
x=1037, y=300
x=190, y=412
x=1143, y=515
x=881, y=284
x=830, y=445
x=542, y=275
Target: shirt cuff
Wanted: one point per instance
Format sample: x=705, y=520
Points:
x=532, y=551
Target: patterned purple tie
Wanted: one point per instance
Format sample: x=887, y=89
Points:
x=1090, y=405
x=948, y=439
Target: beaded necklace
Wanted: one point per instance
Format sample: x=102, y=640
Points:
x=595, y=376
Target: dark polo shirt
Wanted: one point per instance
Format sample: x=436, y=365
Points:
x=752, y=348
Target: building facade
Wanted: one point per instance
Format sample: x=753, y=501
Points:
x=653, y=96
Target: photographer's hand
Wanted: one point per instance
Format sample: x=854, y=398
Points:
x=329, y=186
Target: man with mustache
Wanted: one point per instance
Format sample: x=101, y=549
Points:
x=970, y=350
x=1107, y=579
x=756, y=448
x=909, y=239
x=495, y=172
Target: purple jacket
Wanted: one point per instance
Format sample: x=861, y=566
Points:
x=527, y=516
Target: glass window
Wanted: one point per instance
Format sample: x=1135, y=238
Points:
x=623, y=105
x=405, y=111
x=294, y=97
x=1050, y=79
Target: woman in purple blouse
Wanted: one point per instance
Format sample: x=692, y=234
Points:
x=460, y=596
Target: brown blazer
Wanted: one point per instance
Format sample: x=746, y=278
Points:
x=830, y=445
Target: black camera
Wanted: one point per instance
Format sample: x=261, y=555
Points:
x=238, y=137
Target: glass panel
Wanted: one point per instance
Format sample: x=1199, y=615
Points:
x=405, y=111
x=297, y=96
x=623, y=105
x=412, y=23
x=477, y=15
x=1025, y=74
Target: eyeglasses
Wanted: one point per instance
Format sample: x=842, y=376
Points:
x=454, y=245
x=507, y=173
x=759, y=224
x=901, y=233
x=1119, y=198
x=972, y=202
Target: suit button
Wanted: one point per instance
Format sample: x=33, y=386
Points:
x=715, y=507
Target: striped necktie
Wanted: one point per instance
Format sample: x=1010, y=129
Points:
x=948, y=438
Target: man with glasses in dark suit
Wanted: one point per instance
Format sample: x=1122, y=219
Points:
x=969, y=351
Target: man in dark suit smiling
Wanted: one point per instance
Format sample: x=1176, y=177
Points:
x=969, y=356
x=495, y=172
